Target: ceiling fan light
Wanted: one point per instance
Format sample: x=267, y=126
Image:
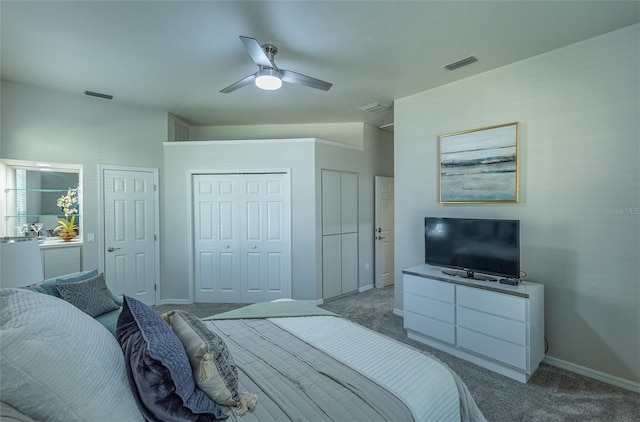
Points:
x=268, y=79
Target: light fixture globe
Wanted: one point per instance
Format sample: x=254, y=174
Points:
x=268, y=79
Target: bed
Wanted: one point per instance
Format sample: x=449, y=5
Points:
x=289, y=332
x=301, y=362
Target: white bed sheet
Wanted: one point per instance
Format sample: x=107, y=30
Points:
x=426, y=385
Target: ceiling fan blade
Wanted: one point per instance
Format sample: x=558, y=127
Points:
x=300, y=79
x=242, y=82
x=256, y=52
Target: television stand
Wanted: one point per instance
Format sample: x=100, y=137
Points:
x=496, y=326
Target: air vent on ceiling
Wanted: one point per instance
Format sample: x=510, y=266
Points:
x=460, y=63
x=374, y=107
x=98, y=95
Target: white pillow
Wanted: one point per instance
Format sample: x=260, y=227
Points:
x=58, y=363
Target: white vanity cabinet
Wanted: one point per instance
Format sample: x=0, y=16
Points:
x=496, y=326
x=60, y=258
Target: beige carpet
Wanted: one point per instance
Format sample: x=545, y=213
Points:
x=552, y=394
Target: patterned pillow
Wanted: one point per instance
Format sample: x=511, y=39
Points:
x=214, y=370
x=158, y=368
x=49, y=285
x=90, y=296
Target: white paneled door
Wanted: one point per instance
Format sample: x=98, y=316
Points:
x=384, y=231
x=130, y=232
x=242, y=242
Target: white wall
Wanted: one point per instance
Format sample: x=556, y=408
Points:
x=346, y=133
x=184, y=158
x=46, y=125
x=304, y=158
x=579, y=110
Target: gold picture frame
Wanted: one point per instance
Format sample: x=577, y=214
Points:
x=480, y=165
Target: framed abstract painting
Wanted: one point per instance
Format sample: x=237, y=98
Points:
x=481, y=165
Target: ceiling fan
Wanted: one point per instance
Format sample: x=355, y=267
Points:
x=269, y=76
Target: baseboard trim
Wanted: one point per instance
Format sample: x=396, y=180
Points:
x=175, y=302
x=365, y=288
x=398, y=312
x=591, y=373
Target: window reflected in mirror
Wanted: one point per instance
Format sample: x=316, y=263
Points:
x=38, y=198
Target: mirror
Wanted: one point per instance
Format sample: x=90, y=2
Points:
x=31, y=196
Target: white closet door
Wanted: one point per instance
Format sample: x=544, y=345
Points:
x=331, y=266
x=266, y=267
x=331, y=197
x=348, y=202
x=242, y=238
x=216, y=238
x=340, y=233
x=349, y=243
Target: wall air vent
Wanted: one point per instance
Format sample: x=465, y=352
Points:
x=460, y=63
x=374, y=107
x=98, y=95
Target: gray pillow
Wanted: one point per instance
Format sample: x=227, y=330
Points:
x=58, y=363
x=214, y=370
x=90, y=296
x=158, y=368
x=49, y=285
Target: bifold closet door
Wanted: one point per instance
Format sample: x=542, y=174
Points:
x=241, y=237
x=216, y=207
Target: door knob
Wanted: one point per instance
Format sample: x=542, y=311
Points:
x=379, y=237
x=111, y=249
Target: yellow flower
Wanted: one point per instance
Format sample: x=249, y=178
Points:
x=65, y=226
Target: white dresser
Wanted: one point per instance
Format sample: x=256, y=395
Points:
x=497, y=326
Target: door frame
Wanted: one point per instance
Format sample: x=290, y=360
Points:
x=190, y=235
x=156, y=205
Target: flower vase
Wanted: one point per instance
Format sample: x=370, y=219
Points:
x=67, y=236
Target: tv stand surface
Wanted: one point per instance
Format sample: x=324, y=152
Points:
x=469, y=274
x=497, y=326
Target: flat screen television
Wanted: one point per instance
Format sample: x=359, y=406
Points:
x=482, y=246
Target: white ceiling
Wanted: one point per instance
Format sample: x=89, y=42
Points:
x=177, y=55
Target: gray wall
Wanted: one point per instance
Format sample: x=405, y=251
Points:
x=375, y=160
x=305, y=158
x=181, y=158
x=46, y=125
x=579, y=188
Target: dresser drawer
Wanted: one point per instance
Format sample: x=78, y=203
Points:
x=492, y=325
x=432, y=308
x=438, y=290
x=430, y=327
x=506, y=306
x=500, y=350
